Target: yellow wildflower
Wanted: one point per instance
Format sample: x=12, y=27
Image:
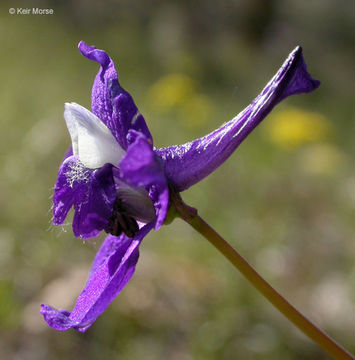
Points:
x=293, y=127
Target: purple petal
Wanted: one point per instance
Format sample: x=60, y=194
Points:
x=109, y=101
x=142, y=168
x=107, y=248
x=187, y=164
x=113, y=267
x=91, y=192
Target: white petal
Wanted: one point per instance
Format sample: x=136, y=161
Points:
x=91, y=138
x=72, y=127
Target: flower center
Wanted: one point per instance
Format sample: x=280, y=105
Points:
x=121, y=221
x=132, y=205
x=135, y=200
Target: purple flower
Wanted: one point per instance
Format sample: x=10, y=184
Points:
x=118, y=182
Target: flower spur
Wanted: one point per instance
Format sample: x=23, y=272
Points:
x=117, y=181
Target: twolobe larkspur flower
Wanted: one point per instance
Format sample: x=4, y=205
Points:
x=117, y=181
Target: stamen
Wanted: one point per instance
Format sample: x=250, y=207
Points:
x=120, y=221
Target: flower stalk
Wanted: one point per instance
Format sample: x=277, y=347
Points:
x=191, y=216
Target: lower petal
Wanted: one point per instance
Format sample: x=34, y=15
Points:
x=112, y=268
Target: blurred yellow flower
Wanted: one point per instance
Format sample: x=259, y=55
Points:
x=177, y=93
x=293, y=127
x=196, y=110
x=170, y=91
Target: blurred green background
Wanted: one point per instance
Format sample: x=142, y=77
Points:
x=285, y=199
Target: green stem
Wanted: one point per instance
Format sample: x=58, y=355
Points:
x=306, y=326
